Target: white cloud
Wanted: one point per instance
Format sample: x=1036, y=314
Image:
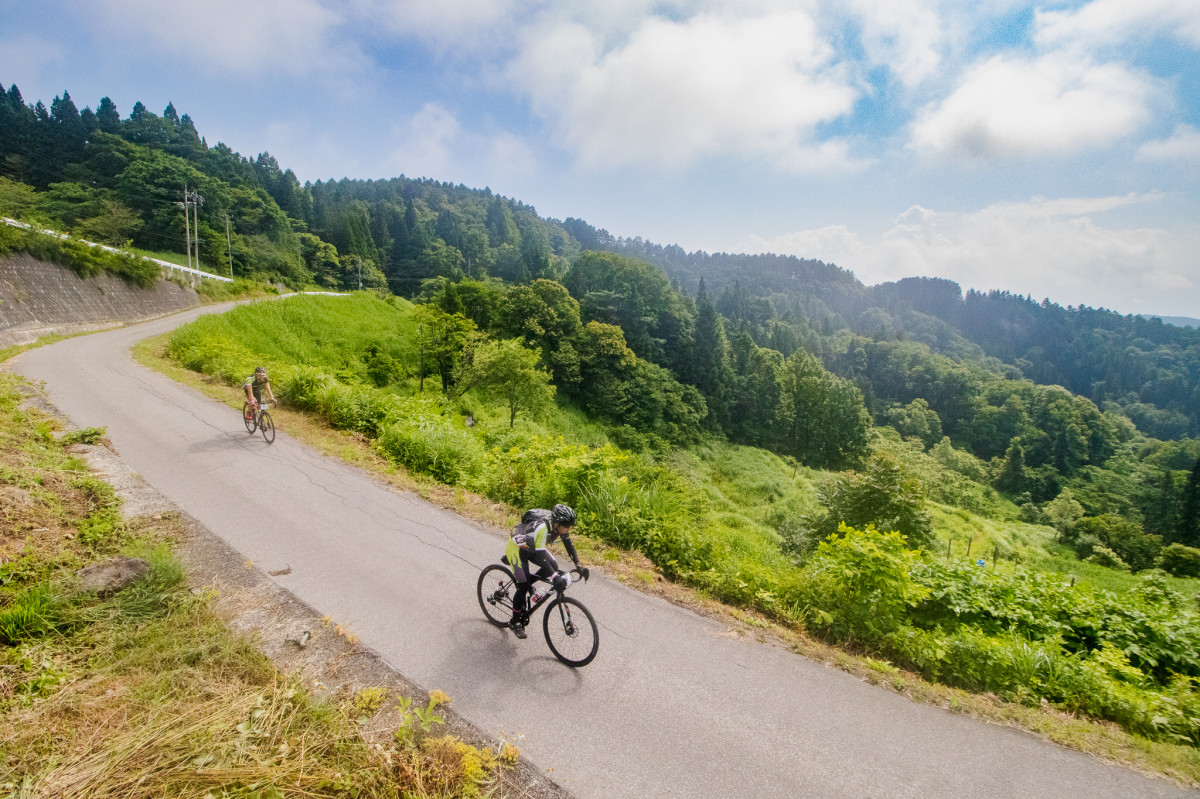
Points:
x=1105, y=22
x=250, y=40
x=426, y=145
x=510, y=156
x=676, y=92
x=433, y=143
x=904, y=35
x=1183, y=147
x=833, y=243
x=438, y=22
x=1050, y=104
x=1048, y=248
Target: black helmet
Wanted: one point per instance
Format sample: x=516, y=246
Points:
x=562, y=514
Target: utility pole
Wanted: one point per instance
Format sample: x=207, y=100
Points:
x=197, y=201
x=360, y=274
x=228, y=245
x=187, y=229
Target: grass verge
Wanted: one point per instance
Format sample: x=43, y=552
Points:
x=145, y=691
x=1107, y=741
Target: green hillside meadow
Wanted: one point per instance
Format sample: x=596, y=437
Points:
x=988, y=602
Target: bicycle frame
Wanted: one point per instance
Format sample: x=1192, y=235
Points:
x=543, y=598
x=570, y=630
x=258, y=414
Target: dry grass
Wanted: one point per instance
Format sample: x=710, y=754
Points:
x=147, y=693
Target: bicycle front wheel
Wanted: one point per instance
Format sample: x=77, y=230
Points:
x=571, y=631
x=248, y=418
x=267, y=426
x=495, y=590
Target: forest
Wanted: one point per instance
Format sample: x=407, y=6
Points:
x=793, y=355
x=892, y=398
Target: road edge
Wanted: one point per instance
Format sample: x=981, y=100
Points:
x=332, y=662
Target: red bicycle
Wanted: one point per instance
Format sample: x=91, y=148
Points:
x=256, y=417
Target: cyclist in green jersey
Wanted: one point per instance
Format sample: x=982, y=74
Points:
x=528, y=546
x=254, y=386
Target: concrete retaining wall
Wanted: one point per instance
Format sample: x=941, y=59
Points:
x=38, y=298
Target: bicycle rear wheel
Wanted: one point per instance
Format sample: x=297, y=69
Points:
x=495, y=590
x=249, y=418
x=267, y=426
x=571, y=631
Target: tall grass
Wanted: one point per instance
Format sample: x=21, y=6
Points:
x=331, y=334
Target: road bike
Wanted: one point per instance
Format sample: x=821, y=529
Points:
x=256, y=417
x=569, y=628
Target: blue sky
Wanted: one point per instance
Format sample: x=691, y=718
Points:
x=1050, y=149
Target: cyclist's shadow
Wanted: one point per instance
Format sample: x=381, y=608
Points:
x=479, y=642
x=226, y=441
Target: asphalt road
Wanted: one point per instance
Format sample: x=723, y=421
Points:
x=673, y=705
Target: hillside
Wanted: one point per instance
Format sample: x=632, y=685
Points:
x=794, y=356
x=885, y=559
x=125, y=180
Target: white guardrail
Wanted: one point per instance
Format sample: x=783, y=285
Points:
x=185, y=269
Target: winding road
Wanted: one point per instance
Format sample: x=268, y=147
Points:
x=674, y=705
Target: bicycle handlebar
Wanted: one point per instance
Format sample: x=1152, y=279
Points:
x=580, y=572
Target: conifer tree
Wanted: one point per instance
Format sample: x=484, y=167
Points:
x=107, y=117
x=711, y=372
x=1187, y=529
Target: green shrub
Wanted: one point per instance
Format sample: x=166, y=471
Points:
x=1037, y=605
x=84, y=260
x=1180, y=560
x=882, y=496
x=434, y=448
x=858, y=584
x=1123, y=537
x=220, y=356
x=1085, y=545
x=86, y=435
x=1103, y=556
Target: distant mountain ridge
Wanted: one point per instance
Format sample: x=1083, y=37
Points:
x=1143, y=366
x=1181, y=321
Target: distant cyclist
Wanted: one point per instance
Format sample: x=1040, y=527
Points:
x=527, y=545
x=254, y=386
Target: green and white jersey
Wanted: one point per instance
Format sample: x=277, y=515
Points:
x=535, y=539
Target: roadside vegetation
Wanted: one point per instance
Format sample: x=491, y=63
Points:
x=907, y=560
x=84, y=260
x=145, y=691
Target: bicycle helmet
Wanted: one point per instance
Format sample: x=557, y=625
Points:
x=260, y=370
x=562, y=514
